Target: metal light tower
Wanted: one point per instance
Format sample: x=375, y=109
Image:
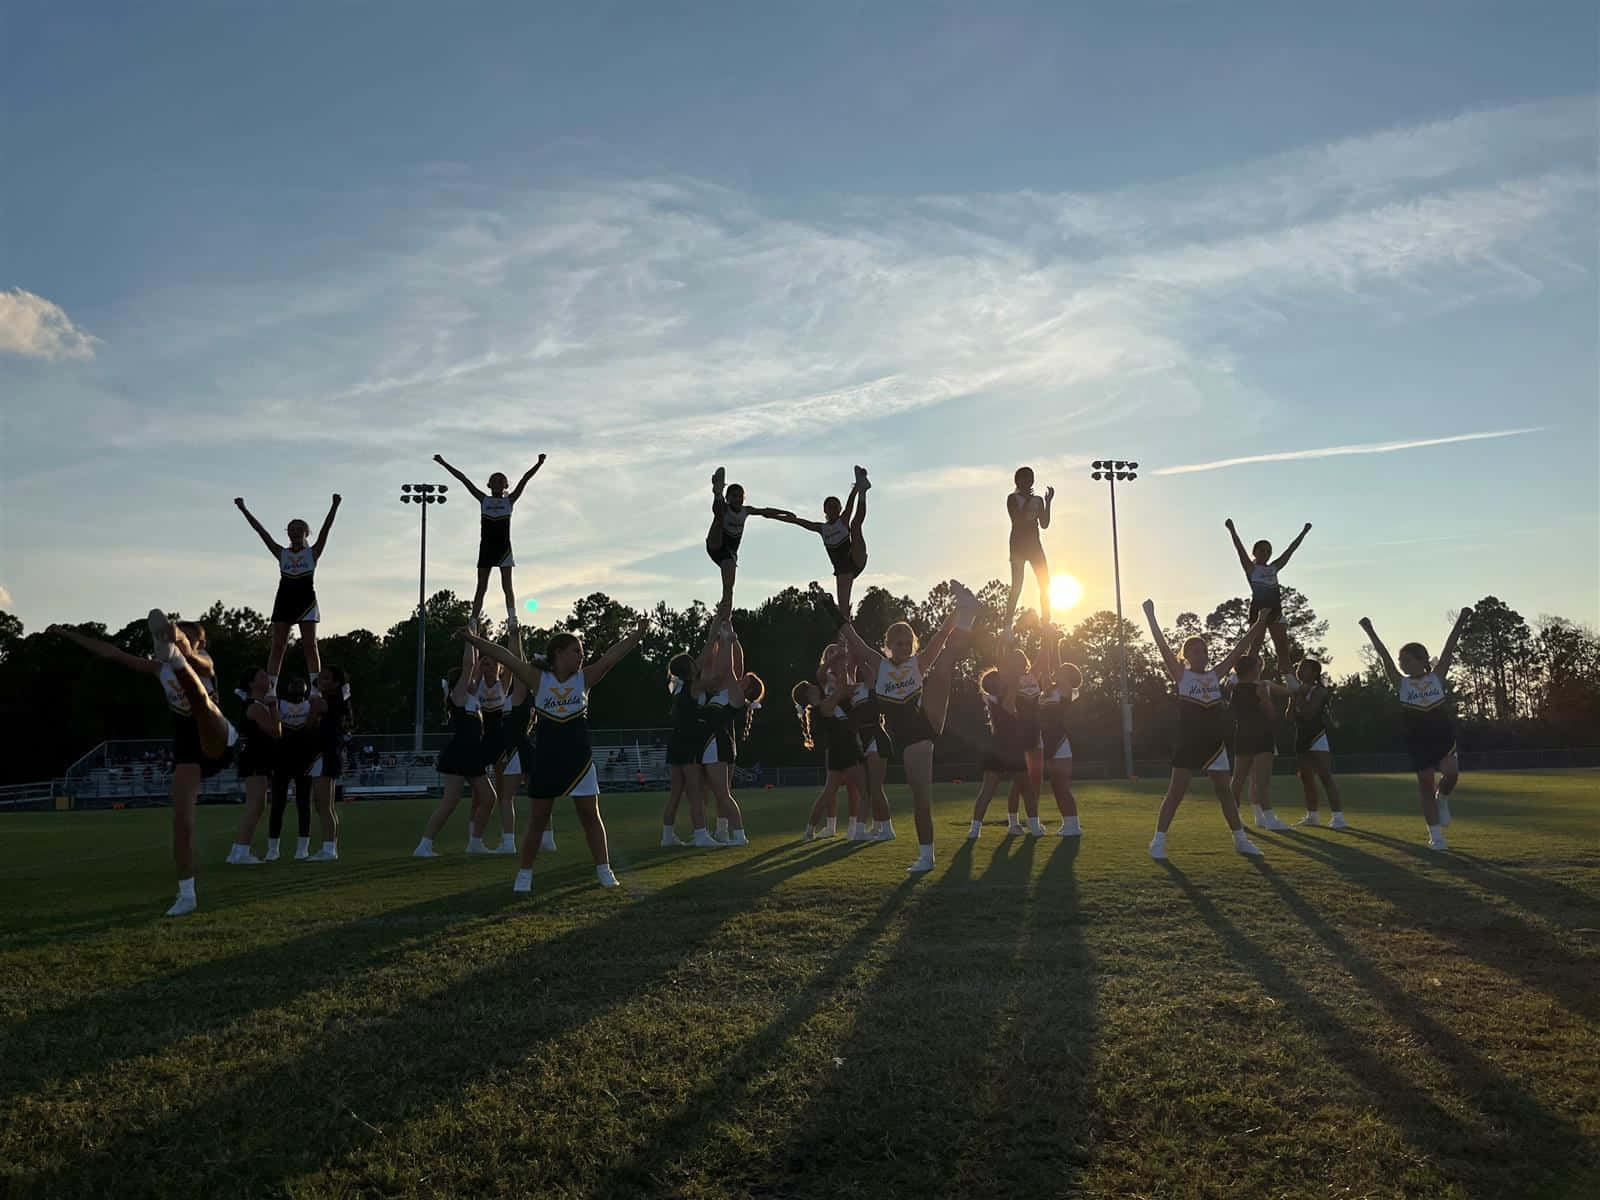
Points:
x=422, y=495
x=1112, y=470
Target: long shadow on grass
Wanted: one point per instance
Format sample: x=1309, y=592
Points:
x=1521, y=1142
x=977, y=1022
x=143, y=1017
x=1478, y=929
x=335, y=1096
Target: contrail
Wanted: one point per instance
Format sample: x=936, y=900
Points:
x=1336, y=451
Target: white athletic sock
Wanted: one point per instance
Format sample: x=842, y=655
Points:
x=854, y=826
x=925, y=852
x=1239, y=834
x=974, y=828
x=1012, y=822
x=722, y=828
x=508, y=841
x=472, y=832
x=524, y=880
x=833, y=826
x=1255, y=810
x=886, y=827
x=314, y=675
x=1160, y=837
x=273, y=845
x=302, y=845
x=272, y=685
x=1435, y=831
x=425, y=844
x=186, y=888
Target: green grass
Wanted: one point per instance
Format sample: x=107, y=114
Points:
x=1352, y=1017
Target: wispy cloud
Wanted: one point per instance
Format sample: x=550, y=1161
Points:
x=33, y=327
x=1339, y=451
x=5, y=597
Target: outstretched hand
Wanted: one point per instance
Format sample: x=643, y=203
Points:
x=439, y=458
x=337, y=499
x=1307, y=529
x=540, y=463
x=1049, y=494
x=1150, y=607
x=238, y=502
x=1366, y=623
x=1228, y=523
x=1466, y=615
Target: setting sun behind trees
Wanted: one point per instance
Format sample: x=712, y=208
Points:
x=1065, y=593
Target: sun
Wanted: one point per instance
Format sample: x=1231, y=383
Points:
x=1065, y=593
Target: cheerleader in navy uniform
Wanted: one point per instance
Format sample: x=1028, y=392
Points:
x=842, y=757
x=296, y=601
x=1312, y=717
x=1004, y=755
x=730, y=696
x=1430, y=729
x=254, y=756
x=461, y=761
x=842, y=537
x=1202, y=729
x=1266, y=596
x=1025, y=791
x=297, y=751
x=866, y=716
x=334, y=717
x=1254, y=741
x=1058, y=693
x=686, y=741
x=563, y=757
x=202, y=738
x=728, y=514
x=494, y=535
x=491, y=694
x=1029, y=514
x=516, y=757
x=913, y=694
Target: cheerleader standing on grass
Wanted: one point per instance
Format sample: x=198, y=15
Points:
x=256, y=752
x=491, y=694
x=1308, y=708
x=297, y=749
x=1254, y=743
x=1059, y=691
x=461, y=761
x=1029, y=514
x=1025, y=789
x=731, y=695
x=334, y=718
x=494, y=531
x=866, y=715
x=202, y=738
x=517, y=755
x=687, y=740
x=563, y=757
x=1202, y=729
x=913, y=692
x=1430, y=729
x=1266, y=596
x=841, y=751
x=837, y=670
x=1004, y=756
x=842, y=537
x=296, y=601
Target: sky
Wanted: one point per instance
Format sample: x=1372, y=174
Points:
x=1334, y=264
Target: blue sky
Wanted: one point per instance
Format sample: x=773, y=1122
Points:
x=285, y=250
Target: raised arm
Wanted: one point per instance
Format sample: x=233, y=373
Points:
x=469, y=664
x=1174, y=667
x=869, y=657
x=788, y=518
x=601, y=667
x=1448, y=654
x=1246, y=643
x=106, y=650
x=1288, y=553
x=327, y=526
x=527, y=672
x=516, y=493
x=266, y=538
x=266, y=718
x=1049, y=496
x=1389, y=668
x=1238, y=546
x=477, y=492
x=929, y=654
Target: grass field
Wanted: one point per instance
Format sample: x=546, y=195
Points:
x=1354, y=1016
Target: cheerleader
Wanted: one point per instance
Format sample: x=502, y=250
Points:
x=490, y=692
x=461, y=761
x=202, y=738
x=866, y=716
x=1266, y=596
x=728, y=515
x=686, y=742
x=1059, y=691
x=1004, y=756
x=729, y=695
x=841, y=533
x=841, y=752
x=494, y=531
x=913, y=692
x=1029, y=514
x=517, y=756
x=1202, y=729
x=1430, y=729
x=563, y=759
x=334, y=717
x=297, y=751
x=296, y=601
x=1254, y=744
x=256, y=751
x=1308, y=709
x=1025, y=788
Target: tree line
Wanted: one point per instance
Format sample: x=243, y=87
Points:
x=1518, y=685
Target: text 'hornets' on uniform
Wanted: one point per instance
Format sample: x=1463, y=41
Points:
x=296, y=600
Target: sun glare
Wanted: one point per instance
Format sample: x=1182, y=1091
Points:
x=1065, y=592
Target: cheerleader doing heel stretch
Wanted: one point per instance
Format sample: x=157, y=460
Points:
x=842, y=537
x=1202, y=729
x=202, y=738
x=494, y=531
x=1430, y=729
x=296, y=601
x=728, y=516
x=563, y=757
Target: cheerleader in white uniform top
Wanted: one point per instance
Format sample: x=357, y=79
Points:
x=842, y=537
x=1058, y=693
x=563, y=756
x=1202, y=729
x=296, y=601
x=728, y=515
x=494, y=531
x=1430, y=728
x=1266, y=596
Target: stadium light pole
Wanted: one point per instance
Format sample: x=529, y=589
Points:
x=1111, y=470
x=422, y=495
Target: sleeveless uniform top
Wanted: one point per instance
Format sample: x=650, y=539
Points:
x=514, y=733
x=1265, y=594
x=718, y=713
x=463, y=755
x=1004, y=750
x=1310, y=724
x=1430, y=729
x=257, y=748
x=866, y=718
x=1028, y=711
x=836, y=540
x=1053, y=723
x=1202, y=723
x=841, y=749
x=298, y=746
x=1252, y=725
x=563, y=758
x=494, y=531
x=331, y=736
x=297, y=564
x=492, y=704
x=899, y=692
x=296, y=600
x=687, y=739
x=1026, y=512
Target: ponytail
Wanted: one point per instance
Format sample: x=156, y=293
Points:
x=803, y=711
